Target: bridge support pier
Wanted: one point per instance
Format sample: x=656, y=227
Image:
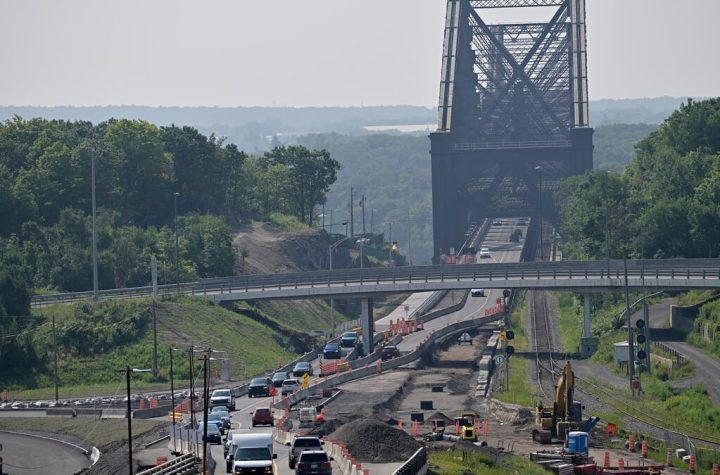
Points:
x=368, y=325
x=588, y=343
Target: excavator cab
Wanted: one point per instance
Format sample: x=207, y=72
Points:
x=564, y=416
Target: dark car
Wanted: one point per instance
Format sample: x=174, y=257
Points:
x=389, y=352
x=348, y=339
x=217, y=419
x=302, y=444
x=259, y=387
x=332, y=352
x=213, y=433
x=262, y=416
x=302, y=368
x=313, y=462
x=278, y=378
x=224, y=415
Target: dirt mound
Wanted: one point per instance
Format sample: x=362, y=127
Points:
x=373, y=441
x=438, y=415
x=327, y=427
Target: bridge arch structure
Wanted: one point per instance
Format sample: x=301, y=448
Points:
x=513, y=114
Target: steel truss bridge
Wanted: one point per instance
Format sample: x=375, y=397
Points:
x=578, y=276
x=513, y=114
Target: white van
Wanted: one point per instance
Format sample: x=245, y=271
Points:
x=251, y=452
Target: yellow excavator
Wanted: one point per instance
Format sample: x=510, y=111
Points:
x=565, y=415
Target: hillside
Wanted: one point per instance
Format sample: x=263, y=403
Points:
x=95, y=340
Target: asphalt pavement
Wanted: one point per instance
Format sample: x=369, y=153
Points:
x=48, y=456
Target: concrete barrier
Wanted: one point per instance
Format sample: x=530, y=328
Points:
x=152, y=412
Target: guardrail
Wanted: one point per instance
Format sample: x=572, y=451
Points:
x=369, y=370
x=183, y=464
x=672, y=273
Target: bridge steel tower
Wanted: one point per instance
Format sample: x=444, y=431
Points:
x=513, y=113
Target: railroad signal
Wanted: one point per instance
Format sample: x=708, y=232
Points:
x=509, y=350
x=509, y=335
x=641, y=339
x=640, y=323
x=641, y=355
x=506, y=293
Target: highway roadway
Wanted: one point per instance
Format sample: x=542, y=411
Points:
x=502, y=250
x=48, y=456
x=242, y=418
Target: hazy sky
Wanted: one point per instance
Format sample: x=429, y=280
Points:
x=315, y=52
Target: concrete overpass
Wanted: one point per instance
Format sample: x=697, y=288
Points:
x=577, y=276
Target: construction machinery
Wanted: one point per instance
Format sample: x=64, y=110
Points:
x=564, y=416
x=465, y=423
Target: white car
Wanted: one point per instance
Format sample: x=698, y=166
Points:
x=484, y=252
x=465, y=338
x=477, y=293
x=289, y=386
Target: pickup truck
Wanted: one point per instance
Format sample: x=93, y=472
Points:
x=222, y=397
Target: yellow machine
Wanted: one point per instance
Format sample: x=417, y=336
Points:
x=466, y=423
x=564, y=416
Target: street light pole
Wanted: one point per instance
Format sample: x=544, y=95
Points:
x=55, y=357
x=539, y=170
x=129, y=422
x=94, y=227
x=129, y=370
x=177, y=255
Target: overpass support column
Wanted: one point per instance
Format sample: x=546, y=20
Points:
x=368, y=325
x=588, y=343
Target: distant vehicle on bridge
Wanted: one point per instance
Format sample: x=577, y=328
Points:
x=484, y=252
x=477, y=293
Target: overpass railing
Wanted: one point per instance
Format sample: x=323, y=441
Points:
x=613, y=269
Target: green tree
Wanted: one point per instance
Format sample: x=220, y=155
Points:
x=310, y=173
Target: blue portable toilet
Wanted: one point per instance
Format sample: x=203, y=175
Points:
x=578, y=442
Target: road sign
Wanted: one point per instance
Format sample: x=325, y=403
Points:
x=305, y=381
x=499, y=359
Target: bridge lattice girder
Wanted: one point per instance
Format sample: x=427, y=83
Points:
x=513, y=100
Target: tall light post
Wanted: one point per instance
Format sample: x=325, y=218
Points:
x=129, y=370
x=206, y=400
x=94, y=226
x=331, y=248
x=538, y=169
x=177, y=254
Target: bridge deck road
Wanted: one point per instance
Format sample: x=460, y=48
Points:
x=501, y=250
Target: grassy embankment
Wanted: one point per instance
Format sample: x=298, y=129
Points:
x=96, y=342
x=458, y=462
x=689, y=411
x=521, y=391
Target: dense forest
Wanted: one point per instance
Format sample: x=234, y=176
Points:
x=665, y=204
x=144, y=175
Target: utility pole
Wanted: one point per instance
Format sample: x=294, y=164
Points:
x=177, y=252
x=352, y=216
x=94, y=226
x=362, y=202
x=154, y=353
x=172, y=399
x=409, y=241
x=55, y=358
x=631, y=346
x=372, y=216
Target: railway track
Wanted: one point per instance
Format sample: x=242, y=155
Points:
x=543, y=339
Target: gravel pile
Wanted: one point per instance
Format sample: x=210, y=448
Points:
x=373, y=441
x=438, y=415
x=327, y=427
